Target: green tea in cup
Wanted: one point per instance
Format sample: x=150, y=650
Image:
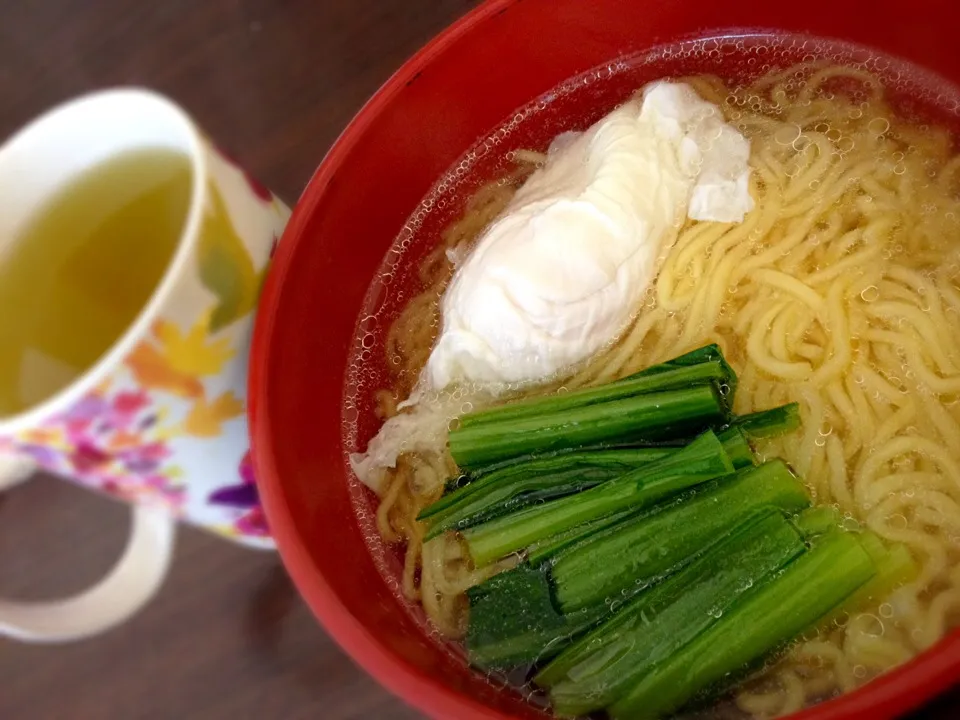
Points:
x=83, y=267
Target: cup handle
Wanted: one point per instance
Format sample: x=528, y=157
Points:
x=132, y=582
x=14, y=469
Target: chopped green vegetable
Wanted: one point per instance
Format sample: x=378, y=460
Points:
x=648, y=604
x=626, y=458
x=767, y=618
x=653, y=570
x=501, y=634
x=770, y=423
x=513, y=621
x=642, y=552
x=707, y=353
x=613, y=657
x=552, y=545
x=735, y=443
x=712, y=371
x=702, y=460
x=673, y=414
x=895, y=567
x=517, y=486
x=817, y=521
x=528, y=595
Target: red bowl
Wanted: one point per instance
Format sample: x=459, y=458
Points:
x=463, y=84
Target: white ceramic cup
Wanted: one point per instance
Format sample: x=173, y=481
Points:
x=158, y=421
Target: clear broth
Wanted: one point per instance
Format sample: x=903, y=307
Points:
x=572, y=105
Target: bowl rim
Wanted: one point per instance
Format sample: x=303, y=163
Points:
x=414, y=686
x=894, y=692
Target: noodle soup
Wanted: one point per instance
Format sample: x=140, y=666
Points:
x=839, y=291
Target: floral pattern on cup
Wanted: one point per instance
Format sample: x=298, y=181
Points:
x=111, y=440
x=244, y=497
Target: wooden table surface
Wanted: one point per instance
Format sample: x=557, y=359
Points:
x=274, y=81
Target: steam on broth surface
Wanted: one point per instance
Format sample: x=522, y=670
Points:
x=840, y=291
